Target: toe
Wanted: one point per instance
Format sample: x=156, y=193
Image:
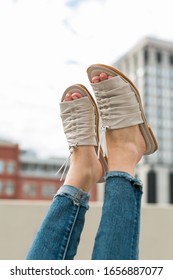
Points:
x=95, y=79
x=76, y=95
x=110, y=77
x=68, y=97
x=103, y=76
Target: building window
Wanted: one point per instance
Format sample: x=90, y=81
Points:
x=24, y=166
x=158, y=57
x=29, y=190
x=1, y=166
x=171, y=187
x=11, y=167
x=151, y=180
x=1, y=187
x=48, y=191
x=171, y=59
x=146, y=58
x=9, y=189
x=171, y=84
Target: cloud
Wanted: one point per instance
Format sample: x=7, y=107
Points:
x=73, y=3
x=47, y=45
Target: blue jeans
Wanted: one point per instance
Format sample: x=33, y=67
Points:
x=118, y=234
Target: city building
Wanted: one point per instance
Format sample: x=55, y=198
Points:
x=149, y=65
x=23, y=175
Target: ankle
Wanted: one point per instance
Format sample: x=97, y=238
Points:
x=85, y=169
x=125, y=149
x=80, y=178
x=123, y=157
x=129, y=138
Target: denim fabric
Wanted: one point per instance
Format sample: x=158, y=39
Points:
x=118, y=234
x=59, y=234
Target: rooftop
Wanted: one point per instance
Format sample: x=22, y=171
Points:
x=147, y=41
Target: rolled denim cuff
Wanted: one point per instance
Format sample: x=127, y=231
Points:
x=77, y=195
x=136, y=182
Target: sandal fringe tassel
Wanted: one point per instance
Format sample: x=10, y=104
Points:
x=66, y=162
x=102, y=141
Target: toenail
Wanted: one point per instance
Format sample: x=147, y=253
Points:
x=76, y=95
x=95, y=79
x=67, y=99
x=103, y=76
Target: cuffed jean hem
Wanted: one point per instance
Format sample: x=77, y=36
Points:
x=133, y=180
x=78, y=196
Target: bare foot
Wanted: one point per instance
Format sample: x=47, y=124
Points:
x=125, y=146
x=85, y=168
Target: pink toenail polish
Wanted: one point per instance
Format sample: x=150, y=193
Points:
x=103, y=76
x=76, y=94
x=96, y=79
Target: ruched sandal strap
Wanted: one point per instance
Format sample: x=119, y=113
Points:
x=120, y=103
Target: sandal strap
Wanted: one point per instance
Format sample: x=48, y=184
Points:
x=78, y=119
x=116, y=100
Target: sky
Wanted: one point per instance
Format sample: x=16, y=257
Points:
x=47, y=45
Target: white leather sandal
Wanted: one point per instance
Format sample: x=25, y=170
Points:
x=120, y=103
x=80, y=119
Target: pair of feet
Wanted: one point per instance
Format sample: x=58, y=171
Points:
x=125, y=148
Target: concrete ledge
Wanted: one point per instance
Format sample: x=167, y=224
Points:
x=21, y=219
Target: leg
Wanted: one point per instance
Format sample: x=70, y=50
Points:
x=118, y=234
x=63, y=223
x=59, y=234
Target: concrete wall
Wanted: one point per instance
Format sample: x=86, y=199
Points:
x=19, y=221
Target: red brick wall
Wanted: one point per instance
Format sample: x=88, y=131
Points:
x=27, y=187
x=36, y=186
x=9, y=153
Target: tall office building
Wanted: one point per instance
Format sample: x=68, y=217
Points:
x=149, y=65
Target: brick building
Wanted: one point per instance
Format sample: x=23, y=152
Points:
x=25, y=176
